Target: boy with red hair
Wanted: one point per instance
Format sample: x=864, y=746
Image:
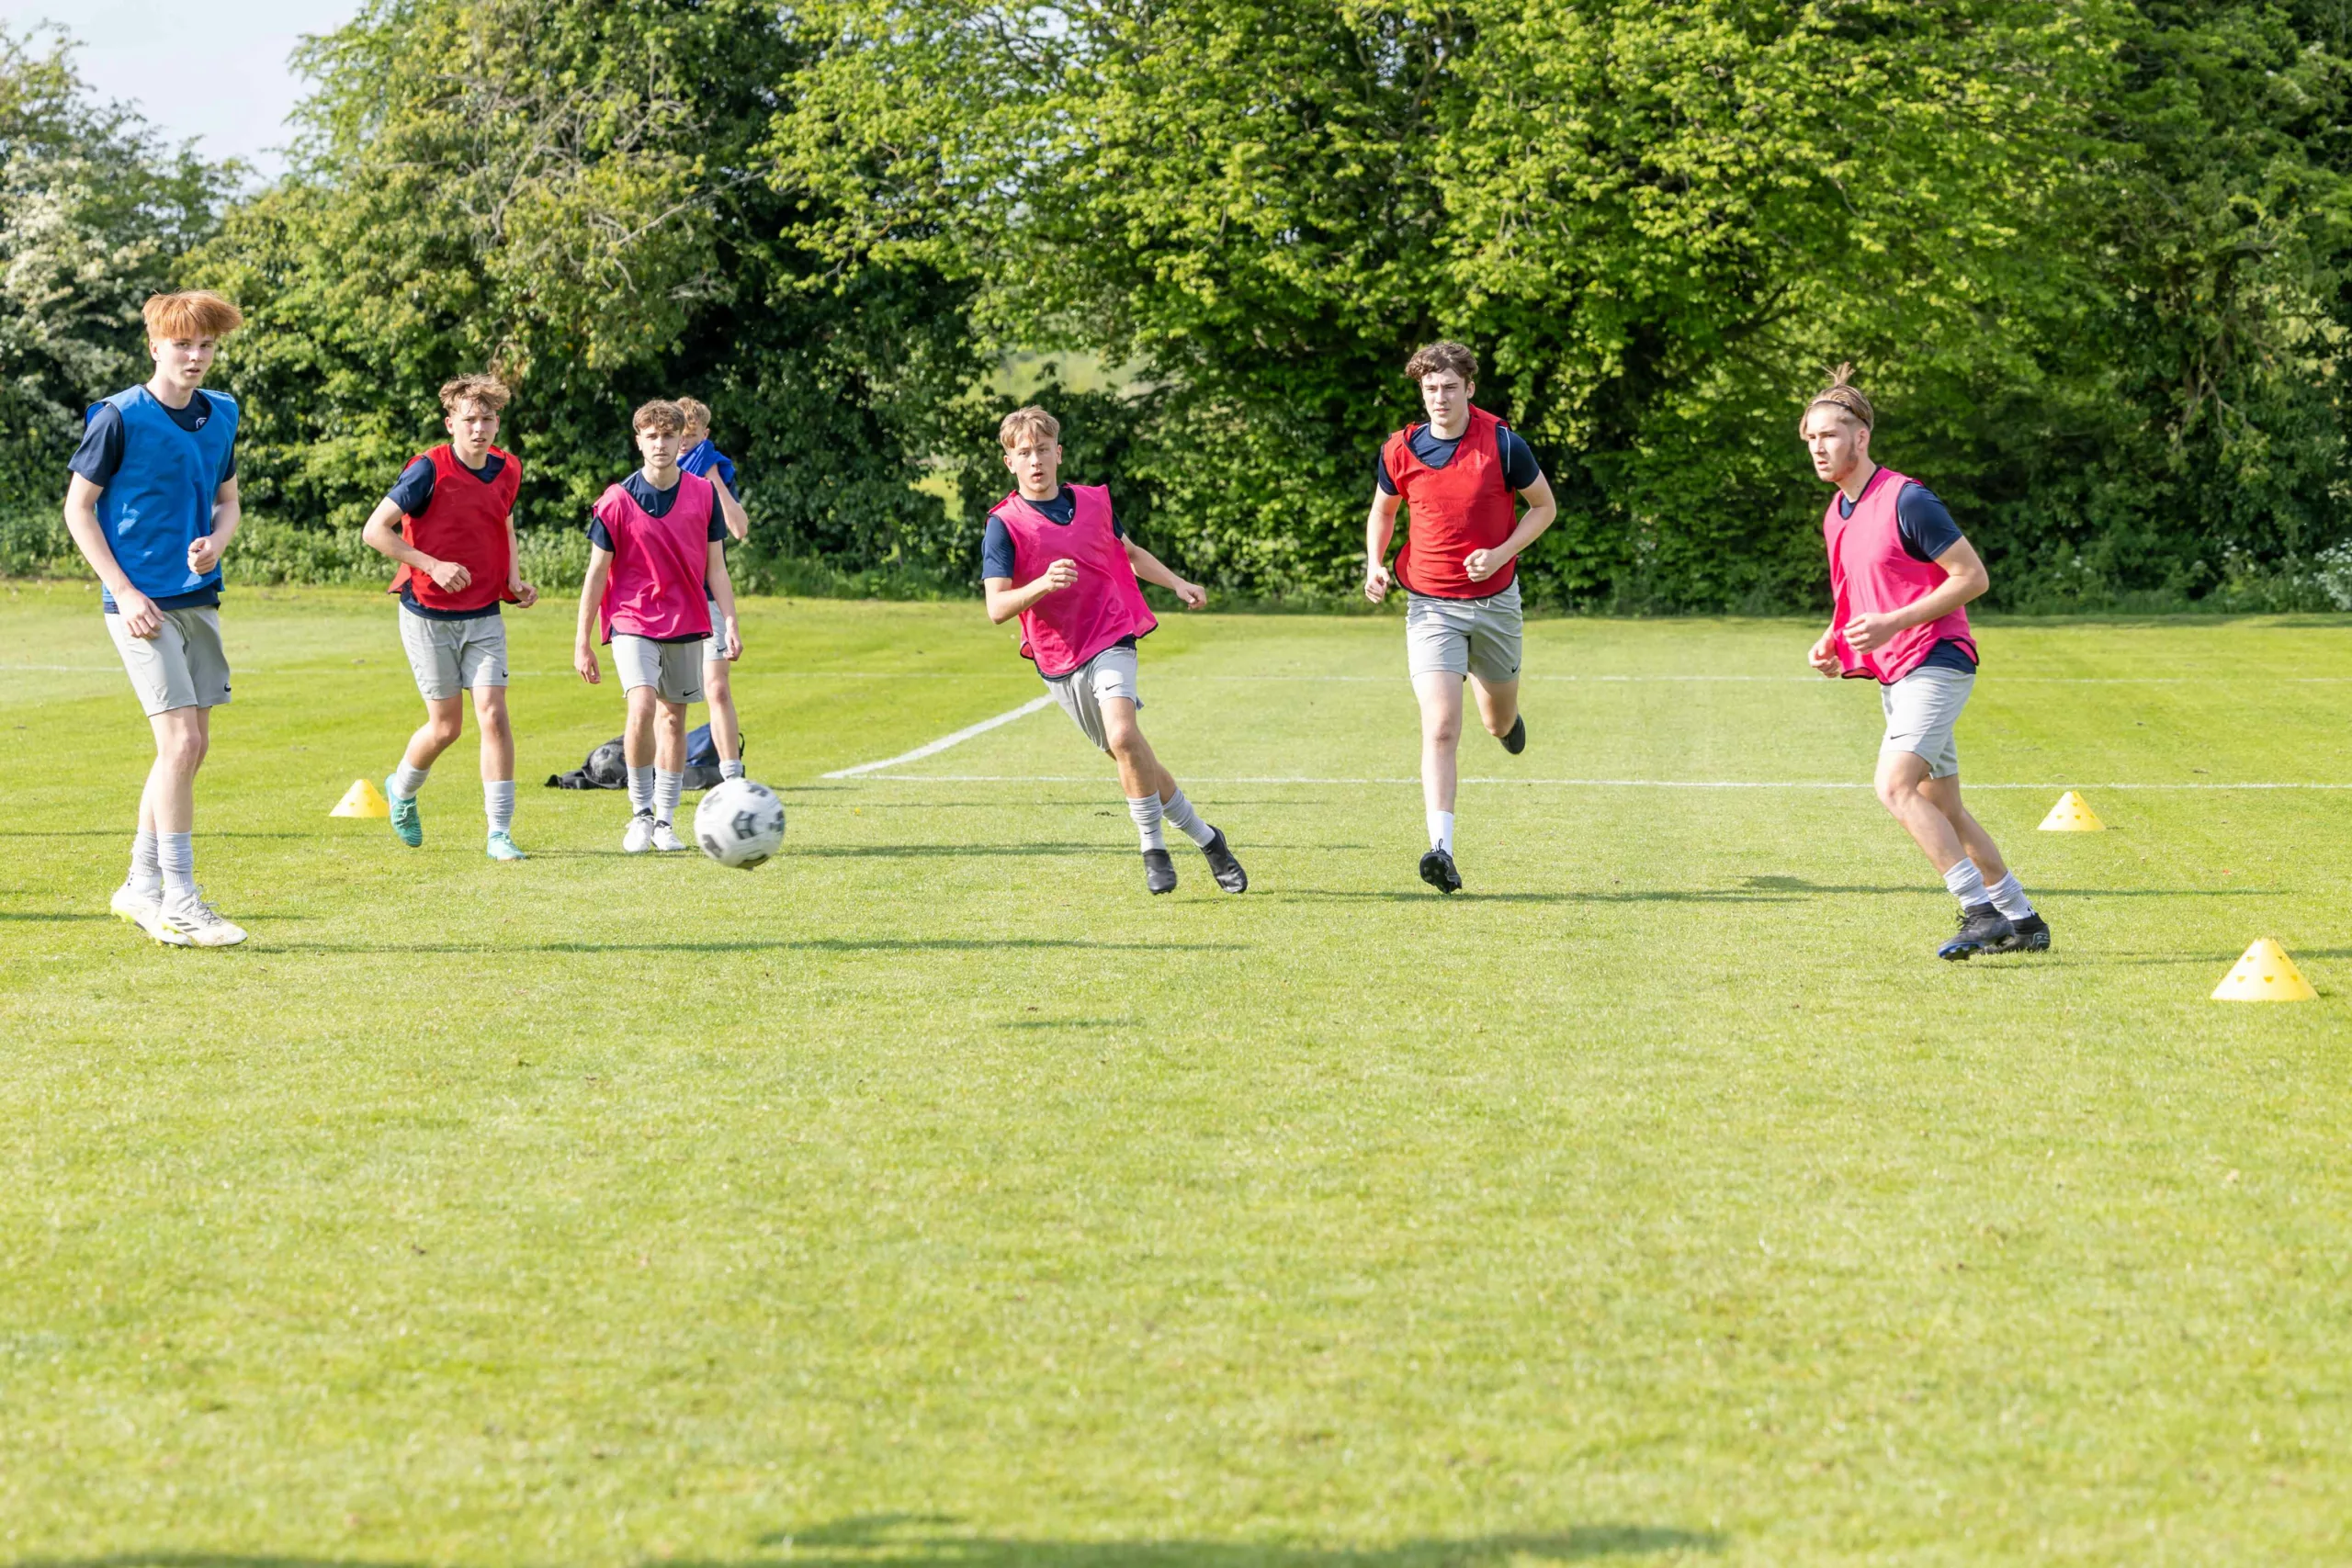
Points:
x=449, y=522
x=654, y=539
x=1081, y=611
x=1460, y=477
x=152, y=505
x=1902, y=575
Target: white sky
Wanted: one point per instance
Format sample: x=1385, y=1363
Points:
x=216, y=72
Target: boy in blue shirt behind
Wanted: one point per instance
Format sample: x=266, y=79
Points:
x=151, y=504
x=703, y=457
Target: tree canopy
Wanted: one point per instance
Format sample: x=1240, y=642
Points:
x=2093, y=256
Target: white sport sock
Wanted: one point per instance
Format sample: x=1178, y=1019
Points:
x=1441, y=830
x=176, y=854
x=733, y=770
x=407, y=781
x=146, y=871
x=1967, y=884
x=498, y=804
x=667, y=787
x=1178, y=813
x=640, y=791
x=1147, y=811
x=2010, y=899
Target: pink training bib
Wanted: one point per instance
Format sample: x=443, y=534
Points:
x=655, y=589
x=1871, y=573
x=1064, y=630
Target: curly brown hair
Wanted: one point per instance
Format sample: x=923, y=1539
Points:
x=660, y=415
x=1444, y=356
x=473, y=387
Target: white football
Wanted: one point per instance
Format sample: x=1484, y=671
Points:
x=740, y=823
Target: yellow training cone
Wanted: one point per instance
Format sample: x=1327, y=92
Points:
x=362, y=799
x=2072, y=814
x=2265, y=974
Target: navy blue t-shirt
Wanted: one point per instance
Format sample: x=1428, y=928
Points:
x=1926, y=527
x=413, y=492
x=99, y=458
x=657, y=504
x=996, y=545
x=1520, y=467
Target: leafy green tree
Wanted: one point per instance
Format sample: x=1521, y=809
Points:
x=94, y=209
x=2088, y=252
x=571, y=193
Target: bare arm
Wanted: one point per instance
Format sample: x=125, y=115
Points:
x=228, y=516
x=731, y=510
x=1481, y=565
x=592, y=598
x=1379, y=527
x=722, y=589
x=1148, y=568
x=139, y=616
x=1005, y=600
x=525, y=593
x=1965, y=581
x=381, y=534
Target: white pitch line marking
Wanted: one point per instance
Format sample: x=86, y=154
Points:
x=931, y=749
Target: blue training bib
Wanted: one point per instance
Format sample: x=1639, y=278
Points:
x=161, y=500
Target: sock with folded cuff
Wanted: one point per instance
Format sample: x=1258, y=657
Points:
x=1178, y=813
x=1967, y=884
x=146, y=870
x=2008, y=897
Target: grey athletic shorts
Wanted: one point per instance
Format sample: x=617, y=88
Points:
x=449, y=657
x=672, y=669
x=1464, y=637
x=1082, y=691
x=182, y=666
x=1921, y=710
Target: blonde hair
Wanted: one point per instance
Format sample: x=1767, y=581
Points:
x=660, y=415
x=473, y=387
x=697, y=413
x=1841, y=393
x=1033, y=422
x=1444, y=356
x=195, y=312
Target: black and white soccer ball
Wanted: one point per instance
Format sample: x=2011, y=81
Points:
x=740, y=823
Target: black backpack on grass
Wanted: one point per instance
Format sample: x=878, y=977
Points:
x=607, y=769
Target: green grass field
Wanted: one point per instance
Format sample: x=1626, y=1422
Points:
x=932, y=1196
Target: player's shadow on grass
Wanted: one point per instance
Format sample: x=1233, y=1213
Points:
x=2041, y=890
x=949, y=852
x=932, y=1541
x=894, y=1538
x=753, y=945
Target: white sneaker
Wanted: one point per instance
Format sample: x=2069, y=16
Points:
x=192, y=923
x=665, y=837
x=133, y=903
x=640, y=837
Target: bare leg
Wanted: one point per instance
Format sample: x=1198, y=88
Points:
x=1902, y=778
x=1944, y=795
x=636, y=738
x=1498, y=704
x=1440, y=697
x=183, y=736
x=669, y=736
x=444, y=720
x=725, y=734
x=497, y=734
x=1140, y=772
